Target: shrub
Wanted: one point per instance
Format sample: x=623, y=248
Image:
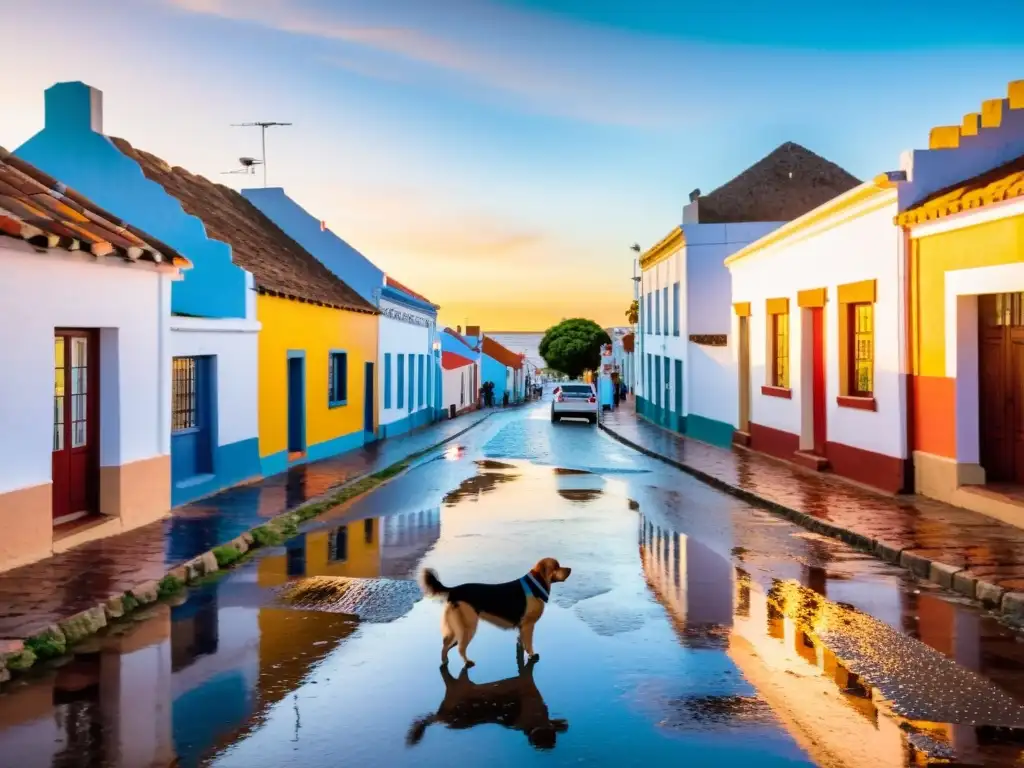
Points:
x=226, y=556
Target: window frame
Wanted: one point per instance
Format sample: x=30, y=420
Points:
x=780, y=319
x=849, y=297
x=387, y=380
x=776, y=385
x=676, y=310
x=854, y=335
x=337, y=380
x=400, y=380
x=192, y=408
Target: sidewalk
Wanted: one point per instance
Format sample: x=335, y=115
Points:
x=38, y=595
x=977, y=556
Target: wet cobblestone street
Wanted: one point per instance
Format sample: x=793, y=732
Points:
x=695, y=629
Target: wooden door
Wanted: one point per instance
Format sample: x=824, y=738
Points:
x=75, y=425
x=1001, y=386
x=296, y=405
x=744, y=374
x=818, y=409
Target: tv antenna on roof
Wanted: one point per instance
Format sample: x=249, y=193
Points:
x=246, y=165
x=263, y=138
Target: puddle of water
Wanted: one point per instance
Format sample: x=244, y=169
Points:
x=692, y=630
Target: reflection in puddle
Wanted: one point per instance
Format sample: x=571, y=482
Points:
x=848, y=686
x=484, y=482
x=580, y=495
x=514, y=703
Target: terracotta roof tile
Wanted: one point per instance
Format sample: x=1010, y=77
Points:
x=501, y=353
x=39, y=209
x=450, y=360
x=1003, y=183
x=405, y=289
x=279, y=265
x=785, y=184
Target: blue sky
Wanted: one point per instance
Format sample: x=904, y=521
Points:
x=501, y=156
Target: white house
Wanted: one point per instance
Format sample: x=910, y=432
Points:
x=687, y=371
x=214, y=331
x=819, y=323
x=461, y=376
x=85, y=401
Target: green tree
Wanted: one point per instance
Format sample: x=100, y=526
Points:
x=574, y=346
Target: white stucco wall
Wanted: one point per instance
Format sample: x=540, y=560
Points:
x=130, y=304
x=453, y=382
x=397, y=337
x=234, y=343
x=705, y=291
x=864, y=247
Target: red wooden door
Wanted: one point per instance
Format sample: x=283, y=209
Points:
x=818, y=379
x=1001, y=386
x=75, y=425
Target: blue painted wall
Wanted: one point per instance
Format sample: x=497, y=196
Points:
x=333, y=252
x=492, y=370
x=71, y=148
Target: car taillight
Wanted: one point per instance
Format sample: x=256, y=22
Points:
x=558, y=397
x=592, y=399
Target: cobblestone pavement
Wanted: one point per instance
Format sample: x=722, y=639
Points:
x=976, y=555
x=39, y=594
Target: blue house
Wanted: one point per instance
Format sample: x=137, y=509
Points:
x=213, y=338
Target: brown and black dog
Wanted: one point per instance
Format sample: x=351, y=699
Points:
x=514, y=703
x=515, y=604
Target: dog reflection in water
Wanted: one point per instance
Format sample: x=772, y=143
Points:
x=513, y=702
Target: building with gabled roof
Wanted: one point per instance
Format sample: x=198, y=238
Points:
x=408, y=369
x=85, y=401
x=685, y=368
x=269, y=347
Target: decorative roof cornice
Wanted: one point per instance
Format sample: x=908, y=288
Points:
x=664, y=248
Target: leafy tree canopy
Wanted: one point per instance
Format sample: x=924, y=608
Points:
x=574, y=346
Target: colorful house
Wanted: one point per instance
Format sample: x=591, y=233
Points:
x=818, y=324
x=458, y=383
x=962, y=209
x=461, y=390
x=213, y=339
x=500, y=365
x=687, y=370
x=408, y=360
x=318, y=337
x=85, y=399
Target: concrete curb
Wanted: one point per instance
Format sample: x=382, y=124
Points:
x=1010, y=605
x=54, y=641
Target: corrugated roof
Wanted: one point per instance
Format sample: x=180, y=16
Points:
x=280, y=266
x=501, y=353
x=1003, y=183
x=450, y=360
x=785, y=184
x=40, y=210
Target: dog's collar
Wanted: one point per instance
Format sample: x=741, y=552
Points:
x=534, y=587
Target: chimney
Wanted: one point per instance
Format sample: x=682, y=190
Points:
x=74, y=107
x=458, y=329
x=473, y=331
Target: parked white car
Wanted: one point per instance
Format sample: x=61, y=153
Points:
x=574, y=400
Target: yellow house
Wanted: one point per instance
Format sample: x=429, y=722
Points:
x=963, y=214
x=317, y=343
x=351, y=550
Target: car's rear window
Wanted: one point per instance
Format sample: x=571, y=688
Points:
x=577, y=389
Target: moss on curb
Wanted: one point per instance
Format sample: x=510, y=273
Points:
x=51, y=643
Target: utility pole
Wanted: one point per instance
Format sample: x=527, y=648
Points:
x=263, y=140
x=638, y=358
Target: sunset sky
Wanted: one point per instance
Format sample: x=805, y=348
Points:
x=500, y=156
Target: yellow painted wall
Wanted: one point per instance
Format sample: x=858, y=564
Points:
x=985, y=245
x=363, y=561
x=294, y=325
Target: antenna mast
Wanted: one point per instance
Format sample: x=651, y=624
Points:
x=263, y=139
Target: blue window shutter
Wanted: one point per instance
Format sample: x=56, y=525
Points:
x=401, y=380
x=675, y=309
x=412, y=381
x=387, y=379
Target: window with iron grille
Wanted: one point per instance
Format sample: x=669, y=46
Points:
x=337, y=379
x=183, y=394
x=337, y=545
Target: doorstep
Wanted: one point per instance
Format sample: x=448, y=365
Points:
x=86, y=529
x=1002, y=502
